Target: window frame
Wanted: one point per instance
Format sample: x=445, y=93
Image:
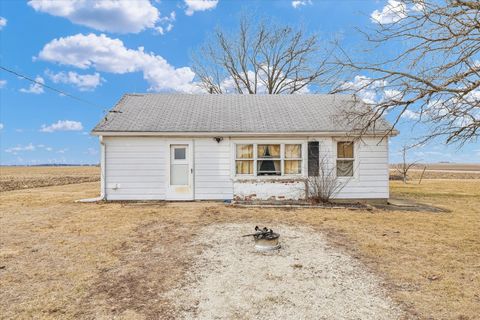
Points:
x=301, y=159
x=282, y=159
x=236, y=158
x=255, y=146
x=353, y=160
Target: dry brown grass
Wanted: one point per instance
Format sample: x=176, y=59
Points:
x=63, y=259
x=14, y=178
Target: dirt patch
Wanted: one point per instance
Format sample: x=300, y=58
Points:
x=305, y=279
x=134, y=286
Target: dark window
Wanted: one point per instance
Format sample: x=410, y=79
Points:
x=180, y=153
x=268, y=162
x=313, y=158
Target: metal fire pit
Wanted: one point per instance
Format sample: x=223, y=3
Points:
x=265, y=239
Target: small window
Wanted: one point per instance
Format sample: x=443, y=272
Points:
x=244, y=159
x=293, y=159
x=313, y=158
x=180, y=153
x=269, y=162
x=345, y=159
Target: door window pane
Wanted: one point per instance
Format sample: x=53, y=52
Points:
x=180, y=153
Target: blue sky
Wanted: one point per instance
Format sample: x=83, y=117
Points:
x=99, y=52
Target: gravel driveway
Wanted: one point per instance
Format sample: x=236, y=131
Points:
x=305, y=279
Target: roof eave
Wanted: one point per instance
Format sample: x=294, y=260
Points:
x=243, y=134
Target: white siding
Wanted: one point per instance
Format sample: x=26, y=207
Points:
x=135, y=168
x=213, y=180
x=371, y=166
x=370, y=179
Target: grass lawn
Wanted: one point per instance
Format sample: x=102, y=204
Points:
x=60, y=259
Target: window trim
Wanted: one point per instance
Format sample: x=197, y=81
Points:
x=292, y=159
x=243, y=159
x=255, y=146
x=354, y=159
x=282, y=159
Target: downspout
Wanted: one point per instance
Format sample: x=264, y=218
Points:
x=103, y=172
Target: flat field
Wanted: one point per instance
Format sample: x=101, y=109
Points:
x=61, y=259
x=14, y=178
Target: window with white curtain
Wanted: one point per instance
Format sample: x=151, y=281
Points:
x=345, y=159
x=269, y=162
x=268, y=159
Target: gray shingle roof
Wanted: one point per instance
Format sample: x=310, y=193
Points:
x=230, y=113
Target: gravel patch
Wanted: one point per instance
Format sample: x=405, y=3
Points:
x=305, y=279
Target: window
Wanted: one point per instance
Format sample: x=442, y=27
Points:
x=244, y=159
x=293, y=158
x=313, y=158
x=345, y=159
x=180, y=153
x=268, y=159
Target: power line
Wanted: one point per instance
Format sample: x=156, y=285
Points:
x=49, y=87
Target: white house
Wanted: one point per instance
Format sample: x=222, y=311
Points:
x=222, y=147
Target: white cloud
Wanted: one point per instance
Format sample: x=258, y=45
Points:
x=20, y=148
x=1, y=126
x=161, y=30
x=44, y=147
x=419, y=6
x=392, y=12
x=85, y=82
x=110, y=55
x=3, y=83
x=3, y=22
x=103, y=15
x=62, y=125
x=299, y=3
x=438, y=109
x=369, y=90
x=411, y=115
x=35, y=88
x=62, y=150
x=199, y=5
x=92, y=151
x=167, y=24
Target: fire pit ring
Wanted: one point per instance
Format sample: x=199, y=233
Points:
x=265, y=239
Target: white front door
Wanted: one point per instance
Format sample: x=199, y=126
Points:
x=180, y=184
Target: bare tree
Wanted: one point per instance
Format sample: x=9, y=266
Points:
x=324, y=186
x=404, y=167
x=433, y=76
x=260, y=58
